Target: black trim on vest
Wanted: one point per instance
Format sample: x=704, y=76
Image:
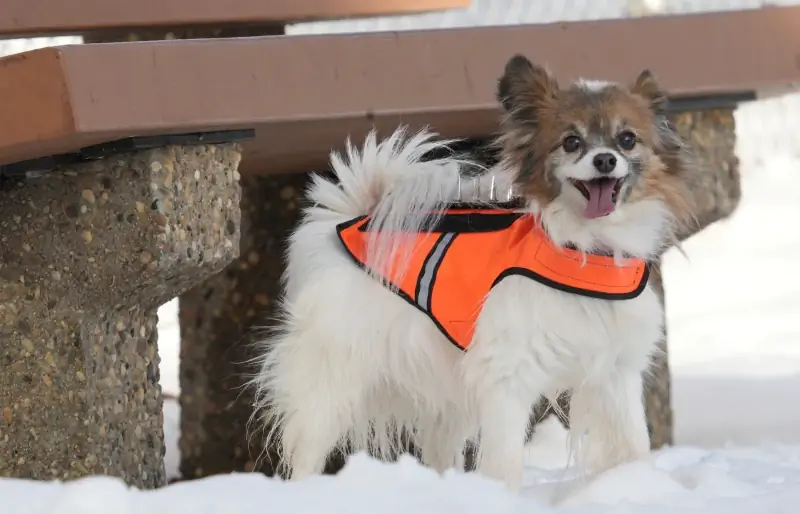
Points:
x=466, y=223
x=523, y=272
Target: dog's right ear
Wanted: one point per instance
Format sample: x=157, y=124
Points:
x=524, y=87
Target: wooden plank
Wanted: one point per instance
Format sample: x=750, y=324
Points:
x=304, y=95
x=29, y=18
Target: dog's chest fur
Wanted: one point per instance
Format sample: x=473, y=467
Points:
x=564, y=338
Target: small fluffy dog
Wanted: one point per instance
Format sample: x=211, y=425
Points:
x=409, y=310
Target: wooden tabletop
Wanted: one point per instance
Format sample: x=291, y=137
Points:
x=305, y=94
x=29, y=18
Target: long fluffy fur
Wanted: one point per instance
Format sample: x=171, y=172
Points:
x=352, y=364
x=392, y=183
x=400, y=190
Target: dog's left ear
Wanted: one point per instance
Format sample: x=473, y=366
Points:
x=647, y=87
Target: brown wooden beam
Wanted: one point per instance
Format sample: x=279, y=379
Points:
x=305, y=95
x=29, y=18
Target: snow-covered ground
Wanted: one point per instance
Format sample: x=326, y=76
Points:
x=684, y=480
x=735, y=357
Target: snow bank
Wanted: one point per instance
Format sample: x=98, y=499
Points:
x=686, y=480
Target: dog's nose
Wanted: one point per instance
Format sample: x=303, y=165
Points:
x=604, y=162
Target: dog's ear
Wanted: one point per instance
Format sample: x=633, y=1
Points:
x=648, y=88
x=525, y=87
x=668, y=138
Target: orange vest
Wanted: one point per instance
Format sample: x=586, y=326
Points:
x=455, y=264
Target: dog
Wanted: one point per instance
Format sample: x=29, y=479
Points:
x=590, y=186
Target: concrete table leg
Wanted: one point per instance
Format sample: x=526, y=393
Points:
x=717, y=187
x=212, y=421
x=87, y=254
x=219, y=320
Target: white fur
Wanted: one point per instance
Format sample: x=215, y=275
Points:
x=353, y=362
x=594, y=85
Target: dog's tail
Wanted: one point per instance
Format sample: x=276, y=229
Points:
x=398, y=184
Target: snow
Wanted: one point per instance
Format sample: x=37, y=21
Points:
x=682, y=480
x=732, y=317
x=735, y=361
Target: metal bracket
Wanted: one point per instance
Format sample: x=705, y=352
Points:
x=680, y=104
x=40, y=166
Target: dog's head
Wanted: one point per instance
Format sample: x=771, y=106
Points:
x=586, y=154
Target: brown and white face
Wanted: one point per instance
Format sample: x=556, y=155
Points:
x=591, y=146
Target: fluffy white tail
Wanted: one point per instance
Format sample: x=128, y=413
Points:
x=390, y=182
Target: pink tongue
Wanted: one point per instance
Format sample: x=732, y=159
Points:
x=600, y=198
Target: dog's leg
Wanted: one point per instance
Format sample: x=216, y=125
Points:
x=608, y=424
x=503, y=419
x=318, y=395
x=308, y=437
x=442, y=443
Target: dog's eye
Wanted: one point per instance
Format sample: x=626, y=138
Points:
x=571, y=144
x=626, y=140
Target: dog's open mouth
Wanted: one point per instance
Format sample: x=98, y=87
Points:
x=601, y=195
